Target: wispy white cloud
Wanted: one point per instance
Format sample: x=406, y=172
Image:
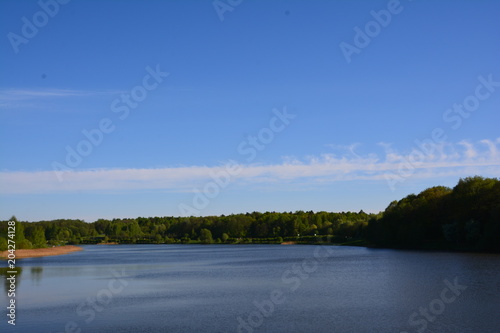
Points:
x=16, y=98
x=23, y=94
x=345, y=148
x=461, y=159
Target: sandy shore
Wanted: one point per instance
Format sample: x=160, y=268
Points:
x=50, y=251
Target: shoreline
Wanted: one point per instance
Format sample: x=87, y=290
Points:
x=42, y=252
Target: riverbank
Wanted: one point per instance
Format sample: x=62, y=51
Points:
x=49, y=251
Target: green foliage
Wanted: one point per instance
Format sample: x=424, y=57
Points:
x=237, y=228
x=3, y=244
x=37, y=237
x=19, y=232
x=24, y=244
x=206, y=236
x=158, y=239
x=465, y=217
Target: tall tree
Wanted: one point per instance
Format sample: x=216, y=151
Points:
x=38, y=237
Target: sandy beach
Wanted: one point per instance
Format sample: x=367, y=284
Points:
x=49, y=251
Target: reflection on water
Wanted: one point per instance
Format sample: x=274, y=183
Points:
x=257, y=288
x=6, y=274
x=36, y=274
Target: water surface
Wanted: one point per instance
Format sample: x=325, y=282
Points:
x=256, y=288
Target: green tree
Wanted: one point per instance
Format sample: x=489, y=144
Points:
x=465, y=217
x=21, y=241
x=19, y=232
x=206, y=236
x=38, y=237
x=135, y=230
x=158, y=239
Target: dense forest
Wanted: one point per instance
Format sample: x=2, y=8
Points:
x=466, y=217
x=269, y=227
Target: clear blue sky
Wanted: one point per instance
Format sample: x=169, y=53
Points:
x=356, y=103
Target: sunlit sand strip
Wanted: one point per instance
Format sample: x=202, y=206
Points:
x=50, y=251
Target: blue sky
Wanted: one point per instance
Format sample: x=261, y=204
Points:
x=266, y=87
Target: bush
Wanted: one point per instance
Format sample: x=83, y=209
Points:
x=24, y=244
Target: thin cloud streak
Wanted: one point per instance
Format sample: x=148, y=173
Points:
x=461, y=159
x=21, y=94
x=16, y=98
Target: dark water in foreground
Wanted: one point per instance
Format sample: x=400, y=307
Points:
x=256, y=288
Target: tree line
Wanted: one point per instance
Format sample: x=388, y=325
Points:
x=466, y=217
x=256, y=227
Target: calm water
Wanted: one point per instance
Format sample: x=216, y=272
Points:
x=256, y=288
